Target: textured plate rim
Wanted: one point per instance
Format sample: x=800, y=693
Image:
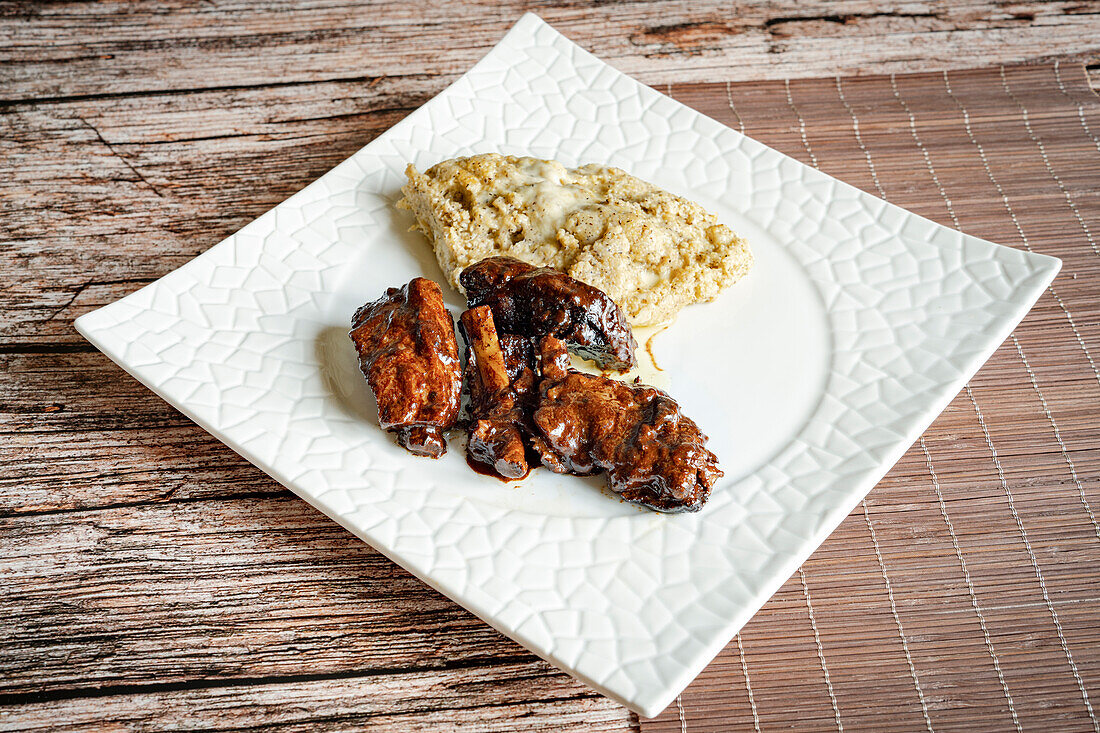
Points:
x=654, y=702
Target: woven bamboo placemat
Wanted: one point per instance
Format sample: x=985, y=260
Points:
x=964, y=593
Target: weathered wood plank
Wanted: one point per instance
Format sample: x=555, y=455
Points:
x=84, y=48
x=506, y=698
x=81, y=176
x=215, y=590
x=51, y=472
x=71, y=393
x=76, y=433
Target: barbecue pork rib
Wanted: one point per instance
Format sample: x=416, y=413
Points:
x=409, y=354
x=540, y=301
x=652, y=453
x=501, y=380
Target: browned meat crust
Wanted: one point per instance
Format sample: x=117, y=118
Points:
x=540, y=301
x=409, y=354
x=653, y=454
x=525, y=407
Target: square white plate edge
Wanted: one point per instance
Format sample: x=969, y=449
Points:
x=528, y=24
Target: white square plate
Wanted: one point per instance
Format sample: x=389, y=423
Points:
x=858, y=324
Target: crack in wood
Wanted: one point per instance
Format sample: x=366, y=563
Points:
x=69, y=302
x=282, y=137
x=126, y=162
x=66, y=98
x=25, y=698
x=78, y=347
x=282, y=494
x=90, y=283
x=841, y=19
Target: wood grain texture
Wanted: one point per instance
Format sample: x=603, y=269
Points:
x=82, y=48
x=154, y=578
x=500, y=698
x=287, y=592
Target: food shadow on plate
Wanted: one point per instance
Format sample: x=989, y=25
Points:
x=386, y=253
x=368, y=277
x=339, y=367
x=412, y=240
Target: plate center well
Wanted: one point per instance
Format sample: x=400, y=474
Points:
x=749, y=368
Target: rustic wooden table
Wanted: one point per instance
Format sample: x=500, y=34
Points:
x=150, y=574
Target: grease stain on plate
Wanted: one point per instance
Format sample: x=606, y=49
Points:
x=647, y=370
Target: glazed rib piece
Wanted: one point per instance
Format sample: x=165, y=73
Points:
x=653, y=454
x=502, y=386
x=409, y=354
x=540, y=301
